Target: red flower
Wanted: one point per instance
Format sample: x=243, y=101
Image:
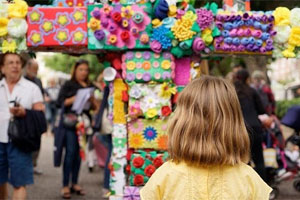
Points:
x=138, y=180
x=116, y=16
x=138, y=162
x=166, y=111
x=158, y=161
x=125, y=96
x=149, y=170
x=125, y=35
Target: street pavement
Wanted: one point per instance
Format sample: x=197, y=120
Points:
x=48, y=185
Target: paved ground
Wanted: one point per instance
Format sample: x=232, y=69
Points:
x=48, y=185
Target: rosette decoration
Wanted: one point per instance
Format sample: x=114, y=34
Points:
x=287, y=39
x=142, y=164
x=181, y=29
x=115, y=27
x=70, y=3
x=13, y=26
x=57, y=27
x=248, y=33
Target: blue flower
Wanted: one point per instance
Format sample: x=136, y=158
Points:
x=160, y=34
x=150, y=133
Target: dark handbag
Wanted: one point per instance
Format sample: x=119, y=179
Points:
x=13, y=130
x=70, y=120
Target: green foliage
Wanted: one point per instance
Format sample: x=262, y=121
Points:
x=64, y=63
x=284, y=105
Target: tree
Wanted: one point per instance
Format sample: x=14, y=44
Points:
x=64, y=63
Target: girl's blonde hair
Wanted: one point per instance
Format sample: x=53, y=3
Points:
x=208, y=127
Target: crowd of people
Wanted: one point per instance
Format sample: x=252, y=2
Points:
x=222, y=131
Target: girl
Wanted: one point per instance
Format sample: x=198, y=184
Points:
x=208, y=146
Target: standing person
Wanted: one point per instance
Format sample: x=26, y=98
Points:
x=31, y=72
x=209, y=149
x=264, y=91
x=72, y=160
x=15, y=165
x=251, y=107
x=51, y=97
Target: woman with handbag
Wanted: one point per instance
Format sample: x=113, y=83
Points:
x=68, y=121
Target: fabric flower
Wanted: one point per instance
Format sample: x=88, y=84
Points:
x=17, y=27
x=125, y=23
x=130, y=76
x=158, y=161
x=3, y=26
x=138, y=17
x=294, y=38
x=168, y=22
x=282, y=16
x=99, y=35
x=18, y=9
x=182, y=29
x=146, y=76
x=106, y=9
x=135, y=111
x=146, y=55
x=295, y=17
x=119, y=142
x=146, y=65
x=198, y=45
x=166, y=111
x=150, y=133
x=167, y=91
x=116, y=16
x=149, y=170
x=205, y=18
x=160, y=34
x=135, y=92
x=112, y=39
x=96, y=13
x=166, y=75
x=138, y=180
x=151, y=113
x=130, y=65
x=135, y=31
x=162, y=142
x=94, y=24
x=9, y=46
x=156, y=46
x=125, y=36
x=127, y=12
x=136, y=126
x=138, y=162
x=283, y=33
x=131, y=193
x=190, y=15
x=144, y=38
x=136, y=141
x=166, y=64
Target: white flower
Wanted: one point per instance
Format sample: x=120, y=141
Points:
x=17, y=27
x=135, y=92
x=295, y=17
x=283, y=33
x=3, y=8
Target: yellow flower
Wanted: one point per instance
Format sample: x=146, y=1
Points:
x=130, y=65
x=94, y=24
x=136, y=140
x=166, y=64
x=17, y=9
x=78, y=15
x=36, y=37
x=207, y=38
x=78, y=36
x=166, y=91
x=35, y=16
x=289, y=52
x=172, y=11
x=156, y=23
x=62, y=20
x=294, y=38
x=62, y=36
x=207, y=31
x=112, y=39
x=9, y=46
x=190, y=15
x=47, y=26
x=151, y=113
x=282, y=16
x=127, y=12
x=182, y=29
x=3, y=26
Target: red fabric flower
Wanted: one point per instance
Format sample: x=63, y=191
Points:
x=138, y=180
x=116, y=16
x=166, y=111
x=158, y=161
x=138, y=162
x=125, y=35
x=149, y=170
x=125, y=96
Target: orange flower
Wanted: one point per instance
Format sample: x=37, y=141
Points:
x=162, y=142
x=146, y=65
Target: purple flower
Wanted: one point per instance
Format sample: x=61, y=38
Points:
x=112, y=28
x=130, y=76
x=104, y=22
x=99, y=35
x=205, y=18
x=269, y=47
x=198, y=45
x=262, y=50
x=271, y=18
x=269, y=42
x=167, y=55
x=241, y=47
x=96, y=13
x=166, y=75
x=146, y=55
x=146, y=76
x=219, y=24
x=129, y=55
x=156, y=46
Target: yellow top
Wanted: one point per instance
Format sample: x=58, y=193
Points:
x=181, y=182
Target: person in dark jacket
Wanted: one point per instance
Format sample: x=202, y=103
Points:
x=251, y=106
x=67, y=137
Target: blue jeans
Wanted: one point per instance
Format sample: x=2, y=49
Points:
x=72, y=158
x=15, y=166
x=107, y=141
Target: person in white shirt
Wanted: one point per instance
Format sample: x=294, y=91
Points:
x=15, y=165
